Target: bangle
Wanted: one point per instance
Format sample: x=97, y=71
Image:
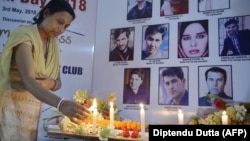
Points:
x=60, y=108
x=59, y=105
x=54, y=87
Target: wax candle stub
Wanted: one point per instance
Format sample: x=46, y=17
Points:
x=111, y=115
x=95, y=113
x=180, y=117
x=142, y=115
x=224, y=118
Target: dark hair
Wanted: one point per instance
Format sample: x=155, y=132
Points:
x=231, y=21
x=184, y=25
x=152, y=29
x=217, y=69
x=173, y=71
x=139, y=72
x=119, y=31
x=54, y=6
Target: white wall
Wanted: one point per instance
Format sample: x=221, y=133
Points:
x=108, y=76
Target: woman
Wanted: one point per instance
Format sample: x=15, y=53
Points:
x=193, y=39
x=29, y=71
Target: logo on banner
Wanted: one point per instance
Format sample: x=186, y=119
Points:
x=72, y=70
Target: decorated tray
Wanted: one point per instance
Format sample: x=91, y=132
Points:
x=104, y=114
x=54, y=131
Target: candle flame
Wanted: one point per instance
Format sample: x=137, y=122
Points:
x=111, y=104
x=179, y=111
x=94, y=104
x=224, y=112
x=141, y=105
x=91, y=108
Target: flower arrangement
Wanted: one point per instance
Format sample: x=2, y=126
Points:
x=237, y=113
x=82, y=97
x=122, y=128
x=104, y=133
x=104, y=105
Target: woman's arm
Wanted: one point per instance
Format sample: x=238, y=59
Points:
x=24, y=61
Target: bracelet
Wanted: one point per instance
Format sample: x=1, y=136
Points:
x=60, y=108
x=59, y=105
x=54, y=87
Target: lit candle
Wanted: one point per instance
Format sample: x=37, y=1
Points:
x=180, y=117
x=224, y=118
x=142, y=114
x=94, y=115
x=111, y=116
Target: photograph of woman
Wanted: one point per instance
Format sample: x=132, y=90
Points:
x=193, y=39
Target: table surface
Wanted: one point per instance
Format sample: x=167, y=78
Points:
x=88, y=137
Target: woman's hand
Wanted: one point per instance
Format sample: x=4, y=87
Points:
x=76, y=112
x=46, y=82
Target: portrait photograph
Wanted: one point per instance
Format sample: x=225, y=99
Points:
x=209, y=5
x=214, y=82
x=139, y=9
x=193, y=40
x=173, y=7
x=122, y=44
x=136, y=86
x=155, y=41
x=173, y=86
x=234, y=36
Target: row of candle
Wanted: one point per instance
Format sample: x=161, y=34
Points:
x=111, y=116
x=224, y=117
x=95, y=114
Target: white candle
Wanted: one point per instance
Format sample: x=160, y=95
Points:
x=94, y=115
x=111, y=116
x=180, y=117
x=142, y=114
x=224, y=118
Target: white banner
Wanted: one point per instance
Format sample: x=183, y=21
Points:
x=113, y=72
